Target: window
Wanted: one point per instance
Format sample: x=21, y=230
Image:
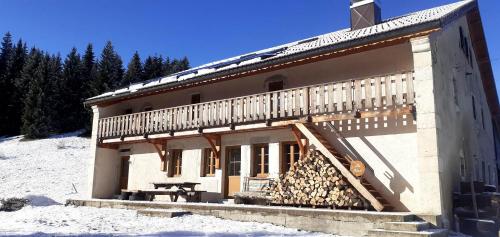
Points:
x=461, y=31
x=482, y=117
x=261, y=160
x=455, y=91
x=176, y=163
x=275, y=86
x=196, y=98
x=484, y=171
x=291, y=154
x=474, y=107
x=462, y=166
x=209, y=162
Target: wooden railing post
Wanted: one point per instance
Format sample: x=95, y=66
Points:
x=332, y=97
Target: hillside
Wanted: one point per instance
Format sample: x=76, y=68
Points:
x=49, y=171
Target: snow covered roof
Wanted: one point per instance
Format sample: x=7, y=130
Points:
x=410, y=22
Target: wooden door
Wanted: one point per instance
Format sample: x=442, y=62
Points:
x=233, y=169
x=124, y=172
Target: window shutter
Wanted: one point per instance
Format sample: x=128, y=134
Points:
x=202, y=166
x=170, y=164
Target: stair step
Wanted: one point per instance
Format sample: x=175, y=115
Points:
x=397, y=233
x=407, y=226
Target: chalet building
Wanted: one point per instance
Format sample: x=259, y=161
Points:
x=412, y=98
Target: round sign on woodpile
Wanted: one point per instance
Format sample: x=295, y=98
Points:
x=357, y=168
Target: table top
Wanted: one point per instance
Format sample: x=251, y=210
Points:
x=175, y=183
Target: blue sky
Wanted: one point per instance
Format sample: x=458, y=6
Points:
x=204, y=31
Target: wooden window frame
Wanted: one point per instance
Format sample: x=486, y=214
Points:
x=260, y=161
x=176, y=155
x=209, y=163
x=292, y=156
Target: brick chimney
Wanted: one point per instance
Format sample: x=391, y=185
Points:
x=365, y=13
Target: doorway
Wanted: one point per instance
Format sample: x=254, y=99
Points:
x=124, y=172
x=233, y=169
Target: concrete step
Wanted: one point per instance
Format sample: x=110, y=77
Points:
x=407, y=226
x=398, y=233
x=228, y=201
x=162, y=213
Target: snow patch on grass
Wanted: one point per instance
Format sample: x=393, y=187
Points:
x=44, y=171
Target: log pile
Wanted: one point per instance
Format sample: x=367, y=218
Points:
x=314, y=181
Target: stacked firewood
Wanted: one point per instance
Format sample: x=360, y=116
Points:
x=313, y=181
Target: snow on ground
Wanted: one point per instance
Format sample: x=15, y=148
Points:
x=49, y=171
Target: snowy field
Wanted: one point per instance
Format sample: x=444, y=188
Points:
x=49, y=171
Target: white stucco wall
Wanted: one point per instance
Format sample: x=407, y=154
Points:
x=456, y=81
x=145, y=162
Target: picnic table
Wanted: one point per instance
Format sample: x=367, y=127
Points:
x=179, y=185
x=186, y=189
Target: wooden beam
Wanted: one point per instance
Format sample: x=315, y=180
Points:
x=395, y=112
x=113, y=146
x=215, y=144
x=302, y=144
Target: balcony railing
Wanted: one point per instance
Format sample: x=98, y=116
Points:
x=335, y=97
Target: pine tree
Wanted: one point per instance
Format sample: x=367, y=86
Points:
x=89, y=85
x=110, y=70
x=134, y=69
x=6, y=53
x=153, y=67
x=70, y=93
x=14, y=97
x=180, y=65
x=35, y=119
x=56, y=95
x=167, y=67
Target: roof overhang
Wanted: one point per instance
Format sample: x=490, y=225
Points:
x=385, y=39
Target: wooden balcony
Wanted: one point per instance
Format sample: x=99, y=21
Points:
x=381, y=92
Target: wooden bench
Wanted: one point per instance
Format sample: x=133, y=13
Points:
x=149, y=194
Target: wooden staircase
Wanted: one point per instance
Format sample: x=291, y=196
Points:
x=342, y=163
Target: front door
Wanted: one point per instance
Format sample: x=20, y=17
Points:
x=124, y=172
x=233, y=168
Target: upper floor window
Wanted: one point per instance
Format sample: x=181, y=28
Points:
x=482, y=117
x=464, y=45
x=474, y=107
x=196, y=98
x=261, y=160
x=275, y=86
